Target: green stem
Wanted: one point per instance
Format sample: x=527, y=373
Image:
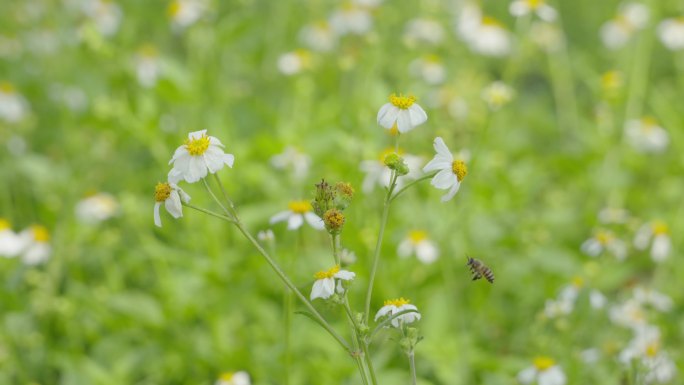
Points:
x=335, y=244
x=225, y=210
x=213, y=214
x=412, y=364
x=225, y=195
x=406, y=187
x=361, y=342
x=369, y=362
x=638, y=77
x=378, y=245
x=356, y=342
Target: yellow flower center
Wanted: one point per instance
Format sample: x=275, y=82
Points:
x=604, y=237
x=459, y=169
x=6, y=87
x=652, y=349
x=490, y=21
x=299, y=207
x=162, y=192
x=397, y=302
x=197, y=146
x=40, y=233
x=4, y=224
x=401, y=101
x=174, y=8
x=417, y=236
x=148, y=50
x=611, y=80
x=578, y=281
x=534, y=4
x=660, y=228
x=543, y=363
x=227, y=376
x=327, y=273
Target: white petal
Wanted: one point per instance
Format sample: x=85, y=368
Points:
x=314, y=221
x=447, y=197
x=660, y=249
x=214, y=141
x=551, y=376
x=173, y=205
x=405, y=248
x=295, y=221
x=519, y=8
x=175, y=176
x=184, y=196
x=387, y=115
x=180, y=151
x=439, y=162
x=197, y=169
x=427, y=252
x=345, y=275
x=229, y=159
x=444, y=179
x=281, y=216
x=318, y=290
x=442, y=149
x=197, y=134
x=591, y=247
x=547, y=13
x=643, y=236
x=157, y=217
x=527, y=375
x=403, y=121
x=417, y=115
x=383, y=311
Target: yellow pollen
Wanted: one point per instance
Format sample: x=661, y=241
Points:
x=327, y=274
x=174, y=8
x=604, y=237
x=40, y=233
x=162, y=192
x=417, y=236
x=197, y=146
x=490, y=21
x=534, y=4
x=660, y=228
x=299, y=207
x=652, y=349
x=6, y=87
x=227, y=376
x=4, y=224
x=459, y=169
x=394, y=131
x=578, y=281
x=397, y=302
x=401, y=101
x=543, y=363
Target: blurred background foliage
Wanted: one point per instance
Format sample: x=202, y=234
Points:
x=120, y=301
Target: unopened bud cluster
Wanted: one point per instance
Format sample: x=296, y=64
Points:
x=329, y=202
x=396, y=163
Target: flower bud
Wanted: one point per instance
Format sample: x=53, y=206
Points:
x=323, y=198
x=396, y=163
x=344, y=193
x=334, y=220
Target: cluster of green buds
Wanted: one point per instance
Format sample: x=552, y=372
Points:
x=329, y=203
x=396, y=163
x=409, y=339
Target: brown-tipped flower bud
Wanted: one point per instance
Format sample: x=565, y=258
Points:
x=334, y=220
x=344, y=194
x=396, y=163
x=323, y=198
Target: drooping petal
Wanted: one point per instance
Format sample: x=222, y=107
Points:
x=229, y=159
x=403, y=121
x=314, y=221
x=281, y=216
x=387, y=115
x=417, y=115
x=527, y=375
x=173, y=204
x=439, y=162
x=295, y=221
x=345, y=275
x=454, y=189
x=442, y=149
x=383, y=311
x=157, y=217
x=214, y=141
x=318, y=290
x=444, y=179
x=184, y=196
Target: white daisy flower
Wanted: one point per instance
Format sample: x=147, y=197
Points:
x=429, y=68
x=659, y=301
x=296, y=214
x=327, y=282
x=294, y=62
x=351, y=19
x=237, y=378
x=617, y=32
x=184, y=13
x=483, y=34
x=497, y=95
x=395, y=306
x=417, y=243
x=293, y=159
x=604, y=241
x=147, y=66
x=105, y=15
x=671, y=33
x=171, y=195
x=200, y=154
x=37, y=249
x=519, y=8
x=11, y=243
x=319, y=36
x=544, y=371
x=96, y=208
x=657, y=235
x=426, y=31
x=451, y=171
x=402, y=111
x=628, y=314
x=645, y=135
x=13, y=106
x=597, y=300
x=646, y=347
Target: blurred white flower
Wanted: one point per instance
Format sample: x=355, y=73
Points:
x=631, y=17
x=402, y=111
x=266, y=235
x=11, y=243
x=671, y=33
x=419, y=31
x=395, y=306
x=519, y=8
x=294, y=62
x=237, y=378
x=184, y=13
x=497, y=95
x=417, y=243
x=106, y=15
x=658, y=300
x=201, y=154
x=347, y=257
x=429, y=68
x=544, y=371
x=293, y=159
x=13, y=106
x=318, y=36
x=628, y=314
x=645, y=347
x=484, y=35
x=597, y=300
x=170, y=195
x=96, y=208
x=554, y=308
x=451, y=171
x=591, y=355
x=296, y=214
x=657, y=235
x=610, y=215
x=604, y=241
x=351, y=19
x=547, y=36
x=37, y=249
x=74, y=98
x=147, y=66
x=645, y=135
x=329, y=281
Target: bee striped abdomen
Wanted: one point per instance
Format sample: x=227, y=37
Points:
x=480, y=270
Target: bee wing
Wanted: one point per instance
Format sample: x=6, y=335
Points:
x=476, y=276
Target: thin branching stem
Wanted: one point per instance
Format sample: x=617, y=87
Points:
x=335, y=244
x=410, y=184
x=213, y=214
x=412, y=365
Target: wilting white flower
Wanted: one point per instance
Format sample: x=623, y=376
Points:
x=170, y=195
x=617, y=32
x=657, y=235
x=13, y=106
x=201, y=154
x=419, y=31
x=293, y=159
x=484, y=35
x=37, y=249
x=544, y=11
x=147, y=66
x=429, y=68
x=658, y=300
x=378, y=174
x=395, y=306
x=451, y=171
x=611, y=215
x=604, y=241
x=646, y=135
x=96, y=208
x=184, y=13
x=497, y=95
x=417, y=243
x=544, y=371
x=671, y=33
x=319, y=36
x=351, y=19
x=105, y=15
x=237, y=378
x=628, y=314
x=294, y=62
x=11, y=243
x=297, y=212
x=402, y=111
x=327, y=282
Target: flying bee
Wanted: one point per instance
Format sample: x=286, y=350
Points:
x=480, y=270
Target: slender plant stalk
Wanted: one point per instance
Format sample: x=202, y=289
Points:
x=225, y=210
x=335, y=244
x=213, y=214
x=638, y=78
x=412, y=364
x=361, y=342
x=410, y=184
x=355, y=341
x=369, y=362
